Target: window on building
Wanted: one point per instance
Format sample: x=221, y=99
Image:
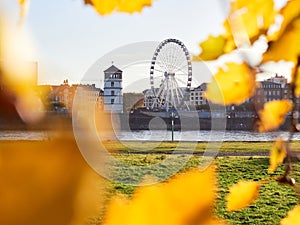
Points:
x=112, y=84
x=112, y=101
x=112, y=93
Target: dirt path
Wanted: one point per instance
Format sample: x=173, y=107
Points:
x=208, y=154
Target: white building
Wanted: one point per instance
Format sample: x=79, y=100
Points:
x=197, y=95
x=278, y=80
x=113, y=97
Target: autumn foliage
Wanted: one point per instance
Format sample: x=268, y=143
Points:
x=189, y=198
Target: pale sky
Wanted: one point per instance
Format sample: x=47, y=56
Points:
x=67, y=37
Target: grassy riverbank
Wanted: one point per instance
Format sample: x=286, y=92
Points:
x=190, y=147
x=169, y=147
x=273, y=204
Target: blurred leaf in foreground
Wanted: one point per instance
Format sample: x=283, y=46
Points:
x=287, y=47
x=18, y=75
x=250, y=19
x=212, y=48
x=104, y=7
x=277, y=154
x=186, y=199
x=242, y=194
x=273, y=114
x=232, y=85
x=289, y=12
x=293, y=217
x=46, y=182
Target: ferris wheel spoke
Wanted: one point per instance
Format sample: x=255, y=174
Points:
x=168, y=57
x=180, y=93
x=160, y=92
x=161, y=63
x=158, y=70
x=181, y=67
x=181, y=74
x=177, y=92
x=182, y=62
x=177, y=95
x=172, y=93
x=172, y=56
x=162, y=59
x=160, y=76
x=166, y=63
x=181, y=81
x=179, y=56
x=182, y=71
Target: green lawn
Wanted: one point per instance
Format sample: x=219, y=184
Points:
x=275, y=200
x=188, y=147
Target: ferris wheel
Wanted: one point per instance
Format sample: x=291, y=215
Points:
x=171, y=76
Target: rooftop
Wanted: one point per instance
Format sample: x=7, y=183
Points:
x=113, y=69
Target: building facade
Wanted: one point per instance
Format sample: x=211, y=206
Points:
x=113, y=97
x=197, y=95
x=62, y=96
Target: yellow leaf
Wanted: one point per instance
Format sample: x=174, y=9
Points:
x=273, y=114
x=249, y=19
x=293, y=217
x=40, y=186
x=192, y=193
x=287, y=47
x=186, y=197
x=232, y=85
x=212, y=48
x=289, y=12
x=213, y=221
x=277, y=154
x=132, y=6
x=104, y=7
x=242, y=194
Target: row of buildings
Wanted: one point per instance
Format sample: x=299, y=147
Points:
x=274, y=88
x=111, y=97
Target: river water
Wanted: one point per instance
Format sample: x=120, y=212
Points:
x=160, y=135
